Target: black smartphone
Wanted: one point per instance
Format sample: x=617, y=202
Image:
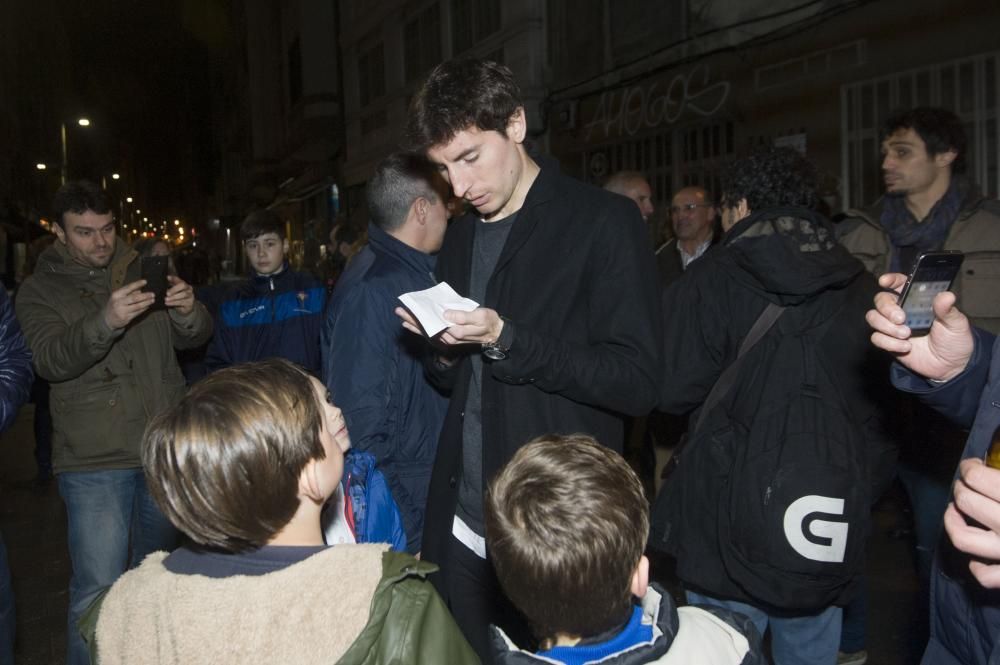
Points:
x=154, y=271
x=933, y=273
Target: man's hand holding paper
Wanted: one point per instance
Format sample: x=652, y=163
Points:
x=440, y=308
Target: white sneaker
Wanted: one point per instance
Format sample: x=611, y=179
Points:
x=853, y=658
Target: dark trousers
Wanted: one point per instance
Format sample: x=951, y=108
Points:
x=853, y=628
x=476, y=601
x=6, y=610
x=43, y=428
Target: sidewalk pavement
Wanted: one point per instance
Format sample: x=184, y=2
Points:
x=33, y=522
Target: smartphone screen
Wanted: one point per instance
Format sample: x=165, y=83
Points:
x=154, y=271
x=934, y=272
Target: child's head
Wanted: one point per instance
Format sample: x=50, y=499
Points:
x=263, y=236
x=231, y=463
x=566, y=525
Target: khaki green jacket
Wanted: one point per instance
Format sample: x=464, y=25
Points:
x=349, y=604
x=976, y=232
x=106, y=384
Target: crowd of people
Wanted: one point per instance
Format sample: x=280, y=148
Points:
x=343, y=487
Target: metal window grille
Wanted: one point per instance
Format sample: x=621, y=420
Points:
x=671, y=159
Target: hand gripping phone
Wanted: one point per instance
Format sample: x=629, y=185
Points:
x=933, y=273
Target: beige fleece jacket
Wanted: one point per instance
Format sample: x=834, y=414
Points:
x=154, y=616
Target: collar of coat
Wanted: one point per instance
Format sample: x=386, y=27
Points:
x=57, y=259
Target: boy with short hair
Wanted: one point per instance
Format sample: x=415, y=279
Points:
x=566, y=525
x=243, y=466
x=277, y=312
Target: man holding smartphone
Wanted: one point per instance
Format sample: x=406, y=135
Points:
x=111, y=365
x=929, y=205
x=954, y=369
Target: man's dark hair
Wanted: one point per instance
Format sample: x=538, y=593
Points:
x=145, y=246
x=768, y=178
x=940, y=129
x=459, y=94
x=566, y=524
x=260, y=222
x=398, y=181
x=224, y=464
x=344, y=232
x=78, y=197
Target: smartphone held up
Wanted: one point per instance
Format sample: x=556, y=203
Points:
x=154, y=271
x=933, y=273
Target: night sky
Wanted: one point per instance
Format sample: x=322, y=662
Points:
x=142, y=71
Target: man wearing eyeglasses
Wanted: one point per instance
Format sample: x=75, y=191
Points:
x=692, y=215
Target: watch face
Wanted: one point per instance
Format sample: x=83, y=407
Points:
x=493, y=353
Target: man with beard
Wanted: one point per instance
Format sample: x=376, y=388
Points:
x=929, y=205
x=109, y=357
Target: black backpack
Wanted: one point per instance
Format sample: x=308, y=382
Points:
x=781, y=468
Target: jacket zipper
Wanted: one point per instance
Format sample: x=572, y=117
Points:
x=270, y=281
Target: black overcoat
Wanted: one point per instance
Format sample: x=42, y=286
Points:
x=577, y=279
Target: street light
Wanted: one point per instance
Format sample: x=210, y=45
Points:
x=83, y=122
x=128, y=199
x=40, y=166
x=115, y=176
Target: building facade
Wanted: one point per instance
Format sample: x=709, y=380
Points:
x=819, y=77
x=676, y=89
x=671, y=89
x=281, y=133
x=390, y=46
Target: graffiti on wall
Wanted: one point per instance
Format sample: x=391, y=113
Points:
x=627, y=110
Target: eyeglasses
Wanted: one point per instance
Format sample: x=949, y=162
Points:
x=689, y=207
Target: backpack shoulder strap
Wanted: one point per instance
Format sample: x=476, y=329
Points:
x=724, y=383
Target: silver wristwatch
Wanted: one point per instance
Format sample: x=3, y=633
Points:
x=497, y=350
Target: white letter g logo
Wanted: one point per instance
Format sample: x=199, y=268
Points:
x=834, y=534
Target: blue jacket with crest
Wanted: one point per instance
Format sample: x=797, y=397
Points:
x=269, y=316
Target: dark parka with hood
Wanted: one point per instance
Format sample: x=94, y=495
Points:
x=787, y=256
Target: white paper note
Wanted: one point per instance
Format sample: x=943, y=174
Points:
x=428, y=306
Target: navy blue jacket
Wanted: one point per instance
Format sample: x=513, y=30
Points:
x=965, y=617
x=374, y=370
x=15, y=364
x=272, y=316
